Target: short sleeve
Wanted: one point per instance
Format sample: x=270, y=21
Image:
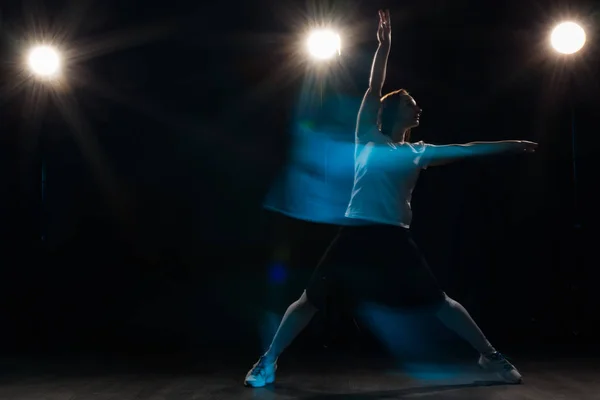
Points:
x=423, y=153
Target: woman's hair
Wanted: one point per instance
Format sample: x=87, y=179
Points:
x=388, y=111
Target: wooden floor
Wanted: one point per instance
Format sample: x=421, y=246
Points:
x=565, y=379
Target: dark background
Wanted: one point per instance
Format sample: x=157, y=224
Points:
x=176, y=122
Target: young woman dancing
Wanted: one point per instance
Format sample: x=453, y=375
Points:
x=377, y=261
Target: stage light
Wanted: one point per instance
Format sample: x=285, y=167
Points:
x=44, y=61
x=324, y=44
x=568, y=38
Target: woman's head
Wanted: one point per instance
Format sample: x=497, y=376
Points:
x=398, y=114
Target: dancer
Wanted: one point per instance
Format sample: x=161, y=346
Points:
x=378, y=261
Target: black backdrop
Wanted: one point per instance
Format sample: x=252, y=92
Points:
x=155, y=235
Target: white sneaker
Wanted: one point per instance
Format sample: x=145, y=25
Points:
x=496, y=362
x=261, y=374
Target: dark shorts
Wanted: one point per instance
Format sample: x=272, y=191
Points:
x=374, y=263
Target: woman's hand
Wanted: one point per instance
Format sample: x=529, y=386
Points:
x=384, y=31
x=523, y=146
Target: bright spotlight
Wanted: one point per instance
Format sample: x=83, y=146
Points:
x=324, y=44
x=44, y=61
x=568, y=38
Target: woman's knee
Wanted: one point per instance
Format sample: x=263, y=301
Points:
x=443, y=303
x=450, y=302
x=305, y=302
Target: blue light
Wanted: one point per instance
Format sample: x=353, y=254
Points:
x=278, y=273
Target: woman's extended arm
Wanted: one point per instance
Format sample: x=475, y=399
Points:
x=441, y=155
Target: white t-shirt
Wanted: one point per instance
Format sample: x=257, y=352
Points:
x=385, y=174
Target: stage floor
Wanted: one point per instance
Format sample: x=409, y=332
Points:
x=353, y=378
